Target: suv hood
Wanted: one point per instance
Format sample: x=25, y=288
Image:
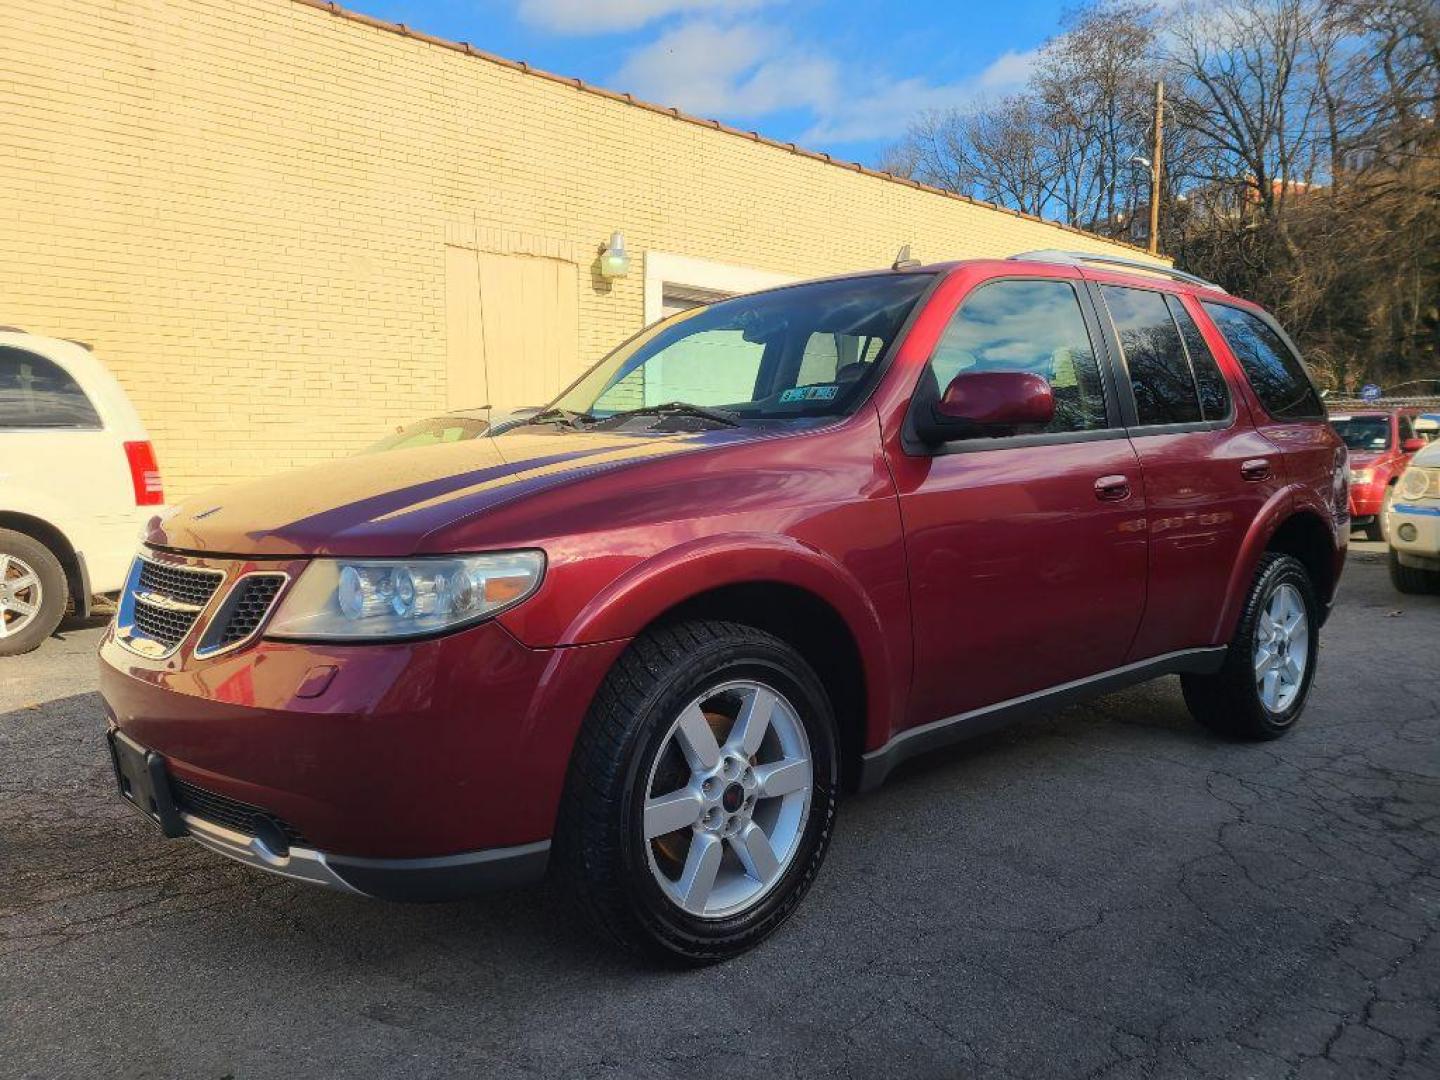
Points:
x=384, y=504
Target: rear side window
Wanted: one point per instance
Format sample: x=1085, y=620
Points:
x=36, y=393
x=1028, y=326
x=1275, y=373
x=1214, y=394
x=1160, y=373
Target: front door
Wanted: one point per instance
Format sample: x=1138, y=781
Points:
x=1027, y=550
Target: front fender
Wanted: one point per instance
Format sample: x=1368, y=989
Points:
x=649, y=589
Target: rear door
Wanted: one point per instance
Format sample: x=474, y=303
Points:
x=1206, y=471
x=1288, y=410
x=1026, y=551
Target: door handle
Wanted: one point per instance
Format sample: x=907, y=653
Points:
x=1112, y=488
x=1256, y=469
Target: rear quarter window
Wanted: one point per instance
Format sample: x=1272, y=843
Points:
x=38, y=393
x=1276, y=374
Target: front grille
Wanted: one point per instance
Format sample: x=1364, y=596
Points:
x=245, y=609
x=163, y=601
x=231, y=813
x=162, y=624
x=185, y=586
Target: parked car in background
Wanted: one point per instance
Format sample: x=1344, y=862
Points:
x=453, y=426
x=78, y=482
x=766, y=548
x=1381, y=443
x=1413, y=525
x=1427, y=426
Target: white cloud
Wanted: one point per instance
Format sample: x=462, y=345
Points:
x=748, y=70
x=603, y=16
x=734, y=71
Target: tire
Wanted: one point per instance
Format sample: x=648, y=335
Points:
x=33, y=593
x=1232, y=701
x=1381, y=531
x=1372, y=530
x=1412, y=580
x=636, y=746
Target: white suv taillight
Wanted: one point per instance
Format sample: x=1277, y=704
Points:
x=144, y=474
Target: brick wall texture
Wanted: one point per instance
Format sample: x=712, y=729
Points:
x=244, y=206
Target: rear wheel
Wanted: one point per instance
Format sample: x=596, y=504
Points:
x=33, y=592
x=702, y=792
x=1260, y=691
x=1413, y=580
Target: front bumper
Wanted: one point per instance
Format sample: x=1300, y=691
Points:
x=405, y=769
x=1365, y=502
x=1422, y=549
x=445, y=877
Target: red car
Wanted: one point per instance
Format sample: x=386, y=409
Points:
x=765, y=551
x=1381, y=443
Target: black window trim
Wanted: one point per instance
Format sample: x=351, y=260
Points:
x=1127, y=392
x=1270, y=321
x=1115, y=428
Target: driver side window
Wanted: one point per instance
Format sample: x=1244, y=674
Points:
x=1028, y=326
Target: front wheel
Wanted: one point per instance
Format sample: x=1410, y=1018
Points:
x=1413, y=580
x=702, y=792
x=1260, y=691
x=1382, y=527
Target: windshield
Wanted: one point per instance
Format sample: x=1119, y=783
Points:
x=803, y=351
x=1363, y=432
x=437, y=429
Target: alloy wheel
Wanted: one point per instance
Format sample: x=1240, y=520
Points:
x=727, y=799
x=20, y=595
x=1282, y=649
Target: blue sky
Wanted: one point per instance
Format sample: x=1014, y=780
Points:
x=844, y=78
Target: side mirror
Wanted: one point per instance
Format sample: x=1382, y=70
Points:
x=1413, y=446
x=987, y=402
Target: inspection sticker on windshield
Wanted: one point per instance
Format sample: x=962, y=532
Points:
x=809, y=393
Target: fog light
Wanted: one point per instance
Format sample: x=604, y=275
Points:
x=1407, y=532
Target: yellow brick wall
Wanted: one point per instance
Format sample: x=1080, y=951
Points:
x=244, y=205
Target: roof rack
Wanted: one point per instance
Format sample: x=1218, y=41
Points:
x=1081, y=258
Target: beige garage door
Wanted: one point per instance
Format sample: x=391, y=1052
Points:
x=512, y=324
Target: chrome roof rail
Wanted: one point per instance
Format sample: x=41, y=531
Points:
x=1123, y=262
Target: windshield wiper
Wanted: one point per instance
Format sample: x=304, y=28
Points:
x=680, y=408
x=560, y=416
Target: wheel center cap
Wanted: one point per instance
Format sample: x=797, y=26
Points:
x=733, y=798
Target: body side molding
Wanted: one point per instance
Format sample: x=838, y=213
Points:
x=878, y=763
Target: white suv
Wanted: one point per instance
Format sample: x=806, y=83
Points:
x=1412, y=522
x=78, y=481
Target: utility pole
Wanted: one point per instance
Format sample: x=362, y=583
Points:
x=1155, y=159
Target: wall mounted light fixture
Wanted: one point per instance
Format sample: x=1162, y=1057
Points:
x=614, y=262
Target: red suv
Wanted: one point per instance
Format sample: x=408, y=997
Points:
x=1381, y=443
x=766, y=550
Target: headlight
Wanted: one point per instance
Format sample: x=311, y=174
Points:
x=397, y=598
x=1362, y=476
x=1420, y=483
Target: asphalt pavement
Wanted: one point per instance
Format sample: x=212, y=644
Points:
x=1105, y=892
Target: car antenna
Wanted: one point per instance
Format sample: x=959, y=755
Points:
x=904, y=261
